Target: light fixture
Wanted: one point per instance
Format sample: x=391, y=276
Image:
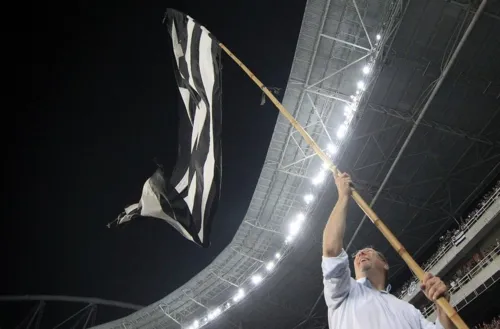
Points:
x=332, y=148
x=325, y=165
x=270, y=266
x=196, y=324
x=348, y=118
x=215, y=313
x=361, y=85
x=342, y=131
x=256, y=279
x=277, y=256
x=308, y=198
x=288, y=239
x=379, y=37
x=239, y=295
x=294, y=228
x=366, y=69
x=357, y=92
x=301, y=216
x=319, y=178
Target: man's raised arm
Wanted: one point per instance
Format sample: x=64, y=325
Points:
x=333, y=235
x=335, y=263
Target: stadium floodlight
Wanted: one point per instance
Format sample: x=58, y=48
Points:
x=295, y=227
x=196, y=324
x=215, y=313
x=277, y=256
x=301, y=216
x=342, y=131
x=361, y=85
x=366, y=70
x=256, y=279
x=379, y=37
x=270, y=266
x=239, y=295
x=308, y=198
x=319, y=178
x=332, y=148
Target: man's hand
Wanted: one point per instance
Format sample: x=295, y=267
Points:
x=343, y=182
x=433, y=287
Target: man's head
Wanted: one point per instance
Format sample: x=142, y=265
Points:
x=368, y=263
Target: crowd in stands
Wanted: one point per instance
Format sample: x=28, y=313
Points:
x=470, y=267
x=446, y=240
x=474, y=261
x=494, y=324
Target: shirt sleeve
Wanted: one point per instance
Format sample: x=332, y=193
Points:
x=336, y=279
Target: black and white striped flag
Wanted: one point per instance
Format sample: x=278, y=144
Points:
x=188, y=200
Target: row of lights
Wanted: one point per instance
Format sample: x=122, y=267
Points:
x=296, y=224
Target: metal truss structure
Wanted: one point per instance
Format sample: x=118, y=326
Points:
x=453, y=155
x=80, y=318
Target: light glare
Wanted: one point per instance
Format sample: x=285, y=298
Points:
x=215, y=313
x=294, y=228
x=301, y=216
x=361, y=85
x=270, y=266
x=308, y=198
x=277, y=256
x=379, y=37
x=366, y=69
x=342, y=131
x=239, y=295
x=319, y=178
x=256, y=279
x=332, y=148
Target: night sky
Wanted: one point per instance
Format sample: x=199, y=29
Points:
x=98, y=106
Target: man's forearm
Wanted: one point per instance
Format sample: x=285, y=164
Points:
x=333, y=235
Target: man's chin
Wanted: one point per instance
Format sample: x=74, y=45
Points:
x=365, y=268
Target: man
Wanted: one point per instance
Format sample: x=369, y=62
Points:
x=363, y=303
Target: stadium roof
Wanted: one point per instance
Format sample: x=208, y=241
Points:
x=452, y=157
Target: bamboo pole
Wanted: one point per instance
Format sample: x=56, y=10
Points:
x=416, y=269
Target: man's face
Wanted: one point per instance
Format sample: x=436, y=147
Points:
x=368, y=259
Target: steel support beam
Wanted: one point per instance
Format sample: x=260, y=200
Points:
x=71, y=299
x=396, y=198
x=407, y=117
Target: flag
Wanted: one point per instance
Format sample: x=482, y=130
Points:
x=188, y=199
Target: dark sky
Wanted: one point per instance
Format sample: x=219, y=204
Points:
x=98, y=105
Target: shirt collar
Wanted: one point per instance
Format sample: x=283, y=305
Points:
x=367, y=283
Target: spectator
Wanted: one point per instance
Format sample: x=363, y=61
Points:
x=446, y=241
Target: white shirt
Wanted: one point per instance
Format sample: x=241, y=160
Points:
x=357, y=305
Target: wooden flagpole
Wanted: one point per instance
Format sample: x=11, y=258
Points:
x=416, y=269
